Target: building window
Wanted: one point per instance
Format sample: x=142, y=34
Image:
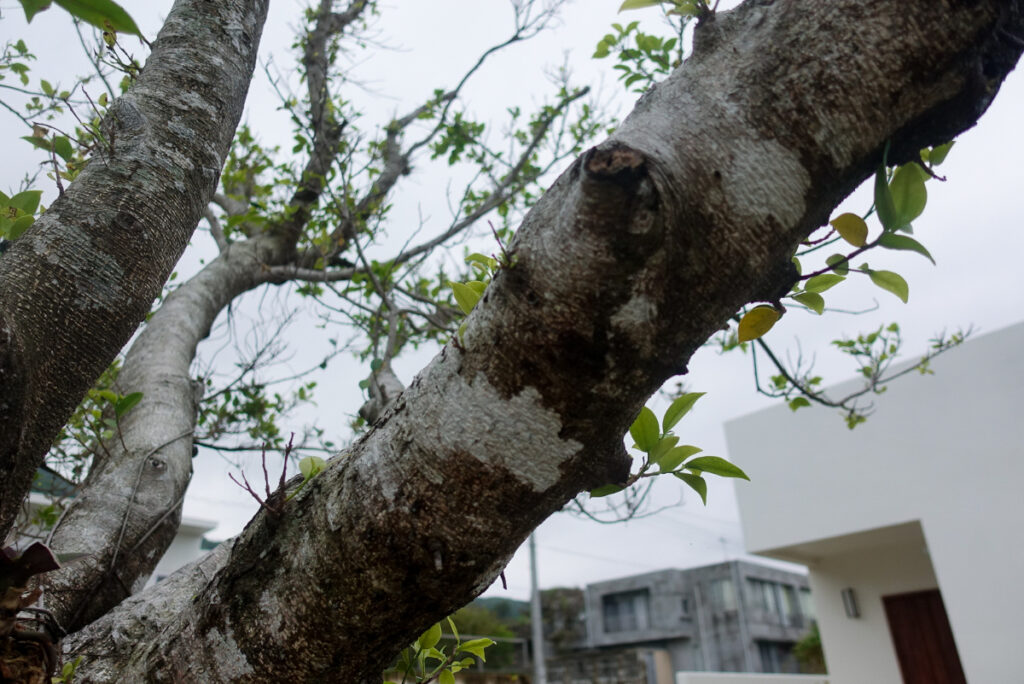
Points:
x=723, y=595
x=807, y=604
x=628, y=611
x=763, y=597
x=684, y=605
x=790, y=606
x=777, y=656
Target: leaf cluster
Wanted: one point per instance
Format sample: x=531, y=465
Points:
x=900, y=197
x=662, y=450
x=428, y=660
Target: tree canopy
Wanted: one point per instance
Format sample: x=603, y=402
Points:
x=660, y=231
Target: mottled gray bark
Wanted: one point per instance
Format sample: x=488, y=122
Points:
x=130, y=505
x=129, y=508
x=639, y=252
x=75, y=287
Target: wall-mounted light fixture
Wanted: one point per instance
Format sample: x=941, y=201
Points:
x=850, y=603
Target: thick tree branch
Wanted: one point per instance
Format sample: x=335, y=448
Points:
x=76, y=285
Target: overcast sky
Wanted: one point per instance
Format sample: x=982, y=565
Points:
x=972, y=226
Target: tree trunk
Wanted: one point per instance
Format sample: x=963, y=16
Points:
x=640, y=251
x=76, y=285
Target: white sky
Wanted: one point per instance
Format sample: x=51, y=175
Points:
x=972, y=227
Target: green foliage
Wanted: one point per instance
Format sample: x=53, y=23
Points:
x=309, y=467
x=688, y=8
x=809, y=652
x=105, y=15
x=428, y=660
x=643, y=58
x=900, y=197
x=67, y=672
x=662, y=451
x=95, y=419
x=17, y=213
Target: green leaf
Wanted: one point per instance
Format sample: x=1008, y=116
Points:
x=884, y=206
x=451, y=626
x=697, y=483
x=757, y=322
x=686, y=8
x=909, y=194
x=477, y=286
x=127, y=403
x=476, y=647
x=465, y=296
x=446, y=677
x=33, y=7
x=105, y=15
x=644, y=430
x=62, y=146
x=674, y=458
x=798, y=402
x=812, y=300
x=820, y=283
x=894, y=241
x=41, y=143
x=481, y=262
x=638, y=4
x=429, y=638
x=892, y=282
x=27, y=201
x=679, y=408
x=851, y=228
x=605, y=490
x=839, y=264
x=310, y=466
x=715, y=466
x=937, y=155
x=19, y=226
x=46, y=86
x=662, y=447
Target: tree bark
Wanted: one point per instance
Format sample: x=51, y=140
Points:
x=76, y=285
x=129, y=509
x=639, y=252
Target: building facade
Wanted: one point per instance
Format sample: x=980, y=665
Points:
x=909, y=524
x=736, y=616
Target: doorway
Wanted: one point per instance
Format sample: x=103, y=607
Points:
x=923, y=638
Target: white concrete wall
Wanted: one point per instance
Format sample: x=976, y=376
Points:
x=743, y=678
x=872, y=573
x=945, y=450
x=184, y=548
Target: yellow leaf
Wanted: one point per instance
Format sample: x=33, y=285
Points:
x=851, y=228
x=757, y=322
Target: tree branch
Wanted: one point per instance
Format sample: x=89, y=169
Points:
x=75, y=286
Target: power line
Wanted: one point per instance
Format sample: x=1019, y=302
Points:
x=592, y=556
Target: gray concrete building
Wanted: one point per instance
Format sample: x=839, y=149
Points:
x=736, y=616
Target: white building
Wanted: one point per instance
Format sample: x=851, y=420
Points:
x=189, y=544
x=925, y=500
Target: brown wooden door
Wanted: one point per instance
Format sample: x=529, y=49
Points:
x=923, y=638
